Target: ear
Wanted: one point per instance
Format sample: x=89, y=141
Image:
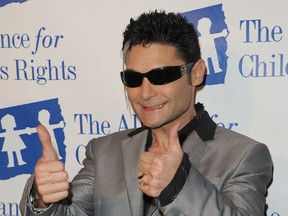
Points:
x=198, y=72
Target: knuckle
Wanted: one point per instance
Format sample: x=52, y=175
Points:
x=67, y=186
x=153, y=182
x=41, y=191
x=156, y=174
x=64, y=186
x=40, y=181
x=39, y=168
x=46, y=199
x=158, y=162
x=65, y=194
x=60, y=165
x=65, y=175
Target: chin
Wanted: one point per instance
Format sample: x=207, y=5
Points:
x=155, y=125
x=152, y=124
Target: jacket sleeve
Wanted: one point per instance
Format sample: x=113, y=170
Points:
x=241, y=193
x=79, y=203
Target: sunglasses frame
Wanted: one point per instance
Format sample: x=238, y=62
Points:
x=175, y=73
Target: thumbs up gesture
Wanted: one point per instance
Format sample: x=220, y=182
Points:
x=51, y=179
x=158, y=166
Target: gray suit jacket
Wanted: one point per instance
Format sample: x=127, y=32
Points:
x=229, y=176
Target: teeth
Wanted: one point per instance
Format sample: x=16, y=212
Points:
x=155, y=107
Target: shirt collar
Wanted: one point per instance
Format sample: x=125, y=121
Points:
x=203, y=125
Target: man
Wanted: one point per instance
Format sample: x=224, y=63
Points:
x=179, y=163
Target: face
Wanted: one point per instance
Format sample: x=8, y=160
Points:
x=159, y=105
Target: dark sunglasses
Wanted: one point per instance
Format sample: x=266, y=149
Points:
x=157, y=76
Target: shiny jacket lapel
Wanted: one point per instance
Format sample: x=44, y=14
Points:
x=195, y=147
x=132, y=149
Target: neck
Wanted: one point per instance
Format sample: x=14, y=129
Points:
x=161, y=136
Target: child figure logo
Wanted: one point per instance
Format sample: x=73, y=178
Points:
x=12, y=140
x=212, y=32
x=20, y=147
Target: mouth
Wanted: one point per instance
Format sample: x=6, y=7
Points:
x=153, y=108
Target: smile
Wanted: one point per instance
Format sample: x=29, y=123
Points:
x=153, y=107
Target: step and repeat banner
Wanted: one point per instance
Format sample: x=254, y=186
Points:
x=60, y=62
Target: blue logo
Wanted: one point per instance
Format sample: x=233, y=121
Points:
x=5, y=2
x=20, y=147
x=212, y=32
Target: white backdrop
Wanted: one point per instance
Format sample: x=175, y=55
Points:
x=64, y=56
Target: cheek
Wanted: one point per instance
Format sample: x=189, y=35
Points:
x=181, y=90
x=132, y=95
x=129, y=93
x=183, y=96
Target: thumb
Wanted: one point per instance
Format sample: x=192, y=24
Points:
x=48, y=151
x=174, y=139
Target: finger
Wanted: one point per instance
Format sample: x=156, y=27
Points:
x=48, y=151
x=143, y=180
x=53, y=188
x=52, y=178
x=55, y=197
x=50, y=166
x=140, y=175
x=149, y=188
x=143, y=168
x=147, y=157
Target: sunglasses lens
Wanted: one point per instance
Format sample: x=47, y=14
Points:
x=163, y=76
x=131, y=79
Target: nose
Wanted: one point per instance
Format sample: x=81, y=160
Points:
x=147, y=89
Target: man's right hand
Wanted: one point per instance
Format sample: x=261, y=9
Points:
x=51, y=179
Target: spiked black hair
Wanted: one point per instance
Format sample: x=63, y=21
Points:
x=163, y=28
